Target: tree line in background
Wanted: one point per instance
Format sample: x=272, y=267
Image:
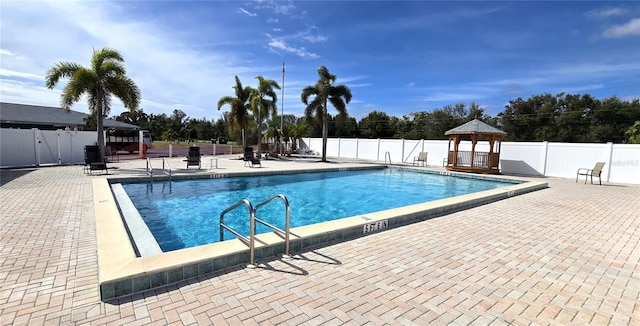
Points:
x=560, y=118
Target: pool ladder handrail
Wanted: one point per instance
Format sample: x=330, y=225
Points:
x=287, y=222
x=250, y=241
x=166, y=162
x=149, y=169
x=387, y=154
x=252, y=223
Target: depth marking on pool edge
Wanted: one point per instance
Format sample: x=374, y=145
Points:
x=371, y=227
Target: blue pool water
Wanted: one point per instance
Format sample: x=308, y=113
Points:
x=186, y=213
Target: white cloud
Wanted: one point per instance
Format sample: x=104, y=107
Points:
x=452, y=97
x=23, y=75
x=248, y=13
x=13, y=92
x=165, y=66
x=272, y=20
x=358, y=85
x=630, y=98
x=6, y=52
x=315, y=38
x=628, y=29
x=283, y=8
x=277, y=7
x=277, y=29
x=579, y=70
x=604, y=13
x=278, y=44
x=580, y=88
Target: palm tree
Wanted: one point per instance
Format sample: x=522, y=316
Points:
x=105, y=78
x=325, y=92
x=264, y=101
x=297, y=131
x=239, y=115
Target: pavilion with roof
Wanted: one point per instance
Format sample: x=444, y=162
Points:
x=474, y=147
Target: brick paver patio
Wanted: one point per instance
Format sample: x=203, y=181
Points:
x=569, y=254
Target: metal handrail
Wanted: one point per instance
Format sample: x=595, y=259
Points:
x=275, y=228
x=385, y=157
x=149, y=169
x=164, y=161
x=252, y=227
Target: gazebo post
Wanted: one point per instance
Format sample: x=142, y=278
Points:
x=474, y=140
x=456, y=143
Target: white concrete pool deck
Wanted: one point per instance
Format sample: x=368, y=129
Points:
x=569, y=254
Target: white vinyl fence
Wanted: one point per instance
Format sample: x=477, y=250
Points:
x=34, y=147
x=622, y=161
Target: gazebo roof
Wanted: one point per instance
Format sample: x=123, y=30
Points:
x=475, y=127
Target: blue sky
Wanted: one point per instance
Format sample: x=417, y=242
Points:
x=396, y=56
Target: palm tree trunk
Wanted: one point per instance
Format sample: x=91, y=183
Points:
x=325, y=131
x=259, y=132
x=100, y=130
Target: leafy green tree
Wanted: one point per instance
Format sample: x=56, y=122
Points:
x=264, y=103
x=612, y=118
x=517, y=119
x=134, y=117
x=323, y=92
x=633, y=134
x=177, y=121
x=401, y=127
x=240, y=115
x=169, y=135
x=288, y=122
x=569, y=118
x=419, y=125
x=220, y=128
x=297, y=131
x=105, y=79
x=91, y=121
x=158, y=124
x=376, y=125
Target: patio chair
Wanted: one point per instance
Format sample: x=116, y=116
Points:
x=194, y=157
x=92, y=161
x=248, y=153
x=250, y=159
x=421, y=159
x=595, y=172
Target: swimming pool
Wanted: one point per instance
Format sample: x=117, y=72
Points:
x=124, y=270
x=184, y=214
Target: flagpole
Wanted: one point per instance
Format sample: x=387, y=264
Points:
x=282, y=115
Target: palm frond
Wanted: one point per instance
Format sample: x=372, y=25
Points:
x=341, y=91
x=338, y=104
x=306, y=92
x=124, y=89
x=60, y=70
x=82, y=81
x=226, y=100
x=102, y=55
x=112, y=68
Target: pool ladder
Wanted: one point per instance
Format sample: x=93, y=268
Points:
x=166, y=170
x=250, y=241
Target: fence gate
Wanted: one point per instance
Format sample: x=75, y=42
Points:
x=34, y=147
